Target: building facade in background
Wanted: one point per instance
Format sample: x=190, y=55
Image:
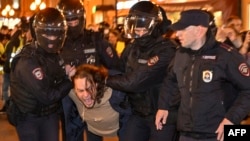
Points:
x=114, y=11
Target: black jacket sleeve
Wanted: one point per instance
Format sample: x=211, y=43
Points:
x=239, y=74
x=169, y=94
x=144, y=76
x=107, y=54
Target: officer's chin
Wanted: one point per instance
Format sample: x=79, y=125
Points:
x=50, y=46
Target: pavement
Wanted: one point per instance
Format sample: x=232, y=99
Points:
x=7, y=131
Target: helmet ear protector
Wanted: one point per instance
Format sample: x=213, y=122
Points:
x=50, y=29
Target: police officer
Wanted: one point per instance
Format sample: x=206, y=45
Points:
x=39, y=80
x=146, y=60
x=81, y=47
x=200, y=68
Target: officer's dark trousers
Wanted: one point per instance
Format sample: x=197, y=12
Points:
x=93, y=137
x=144, y=129
x=35, y=128
x=72, y=124
x=186, y=138
x=5, y=86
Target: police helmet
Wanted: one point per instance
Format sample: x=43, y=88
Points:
x=144, y=15
x=75, y=15
x=50, y=29
x=212, y=24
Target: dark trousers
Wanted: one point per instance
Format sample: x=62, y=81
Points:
x=72, y=125
x=5, y=86
x=144, y=129
x=93, y=137
x=186, y=138
x=35, y=128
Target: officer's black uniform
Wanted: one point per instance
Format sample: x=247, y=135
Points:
x=142, y=82
x=201, y=76
x=89, y=48
x=39, y=82
x=38, y=89
x=146, y=60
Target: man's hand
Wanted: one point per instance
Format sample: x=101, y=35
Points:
x=220, y=129
x=161, y=119
x=70, y=70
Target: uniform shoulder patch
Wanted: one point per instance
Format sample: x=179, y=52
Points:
x=244, y=70
x=38, y=73
x=226, y=47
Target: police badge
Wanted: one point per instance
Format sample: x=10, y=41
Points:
x=207, y=76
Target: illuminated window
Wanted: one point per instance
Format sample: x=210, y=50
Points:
x=16, y=4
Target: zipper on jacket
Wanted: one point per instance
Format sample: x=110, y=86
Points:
x=191, y=87
x=191, y=74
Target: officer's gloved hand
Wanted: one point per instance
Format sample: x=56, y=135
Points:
x=70, y=70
